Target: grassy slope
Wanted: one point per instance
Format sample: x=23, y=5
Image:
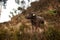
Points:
x=41, y=8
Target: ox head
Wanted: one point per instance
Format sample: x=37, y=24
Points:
x=31, y=16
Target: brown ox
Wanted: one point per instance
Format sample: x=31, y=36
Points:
x=36, y=21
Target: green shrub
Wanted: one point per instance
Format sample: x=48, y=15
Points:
x=52, y=34
x=23, y=26
x=52, y=12
x=3, y=34
x=23, y=36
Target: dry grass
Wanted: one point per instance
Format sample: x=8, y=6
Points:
x=19, y=28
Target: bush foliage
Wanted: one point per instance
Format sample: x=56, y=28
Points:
x=52, y=34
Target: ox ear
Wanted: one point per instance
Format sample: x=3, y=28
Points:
x=34, y=14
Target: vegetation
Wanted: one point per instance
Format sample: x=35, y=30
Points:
x=21, y=29
x=52, y=12
x=52, y=34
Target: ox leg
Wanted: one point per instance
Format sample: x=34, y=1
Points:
x=33, y=29
x=36, y=28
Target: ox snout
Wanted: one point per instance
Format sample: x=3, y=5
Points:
x=28, y=17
